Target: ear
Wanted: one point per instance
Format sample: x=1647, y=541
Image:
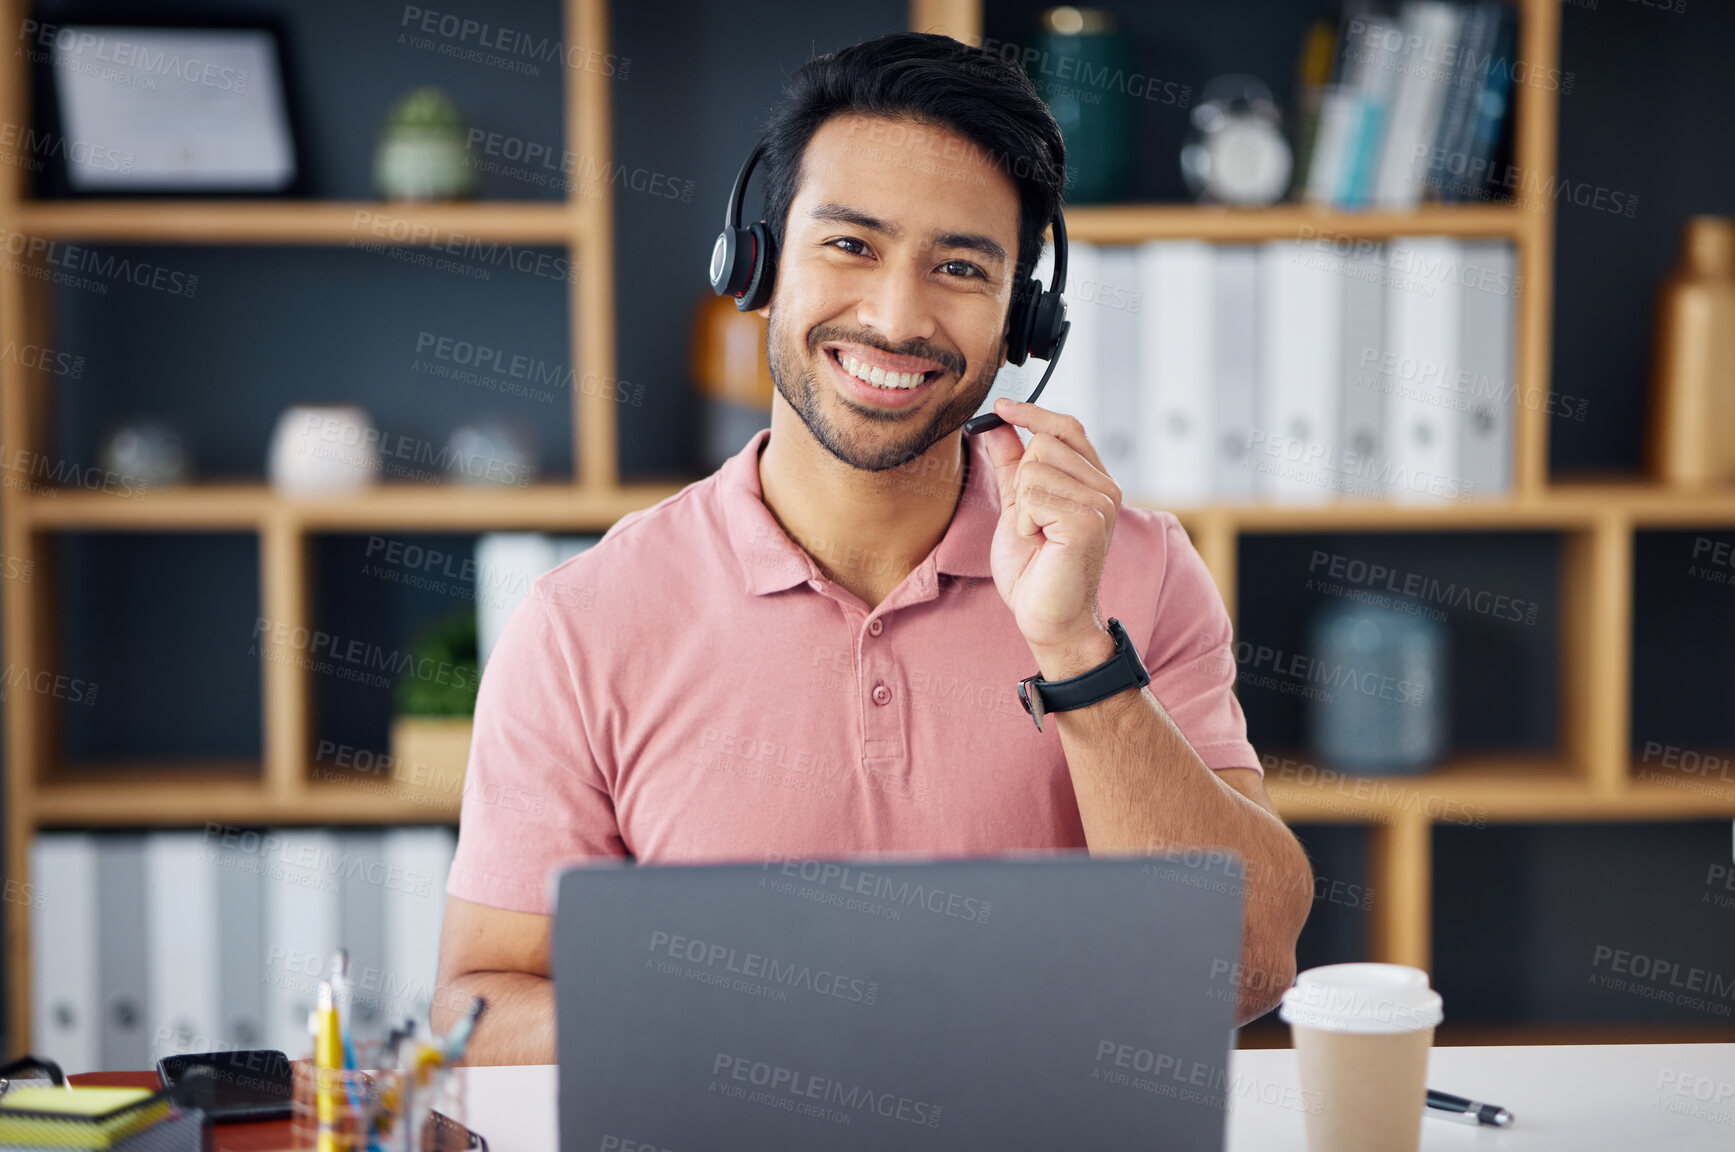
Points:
x=773, y=255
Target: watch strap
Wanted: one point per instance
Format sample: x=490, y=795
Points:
x=1125, y=669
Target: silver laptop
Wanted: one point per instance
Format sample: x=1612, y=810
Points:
x=1029, y=1002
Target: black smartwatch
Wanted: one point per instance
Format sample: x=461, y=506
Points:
x=1119, y=672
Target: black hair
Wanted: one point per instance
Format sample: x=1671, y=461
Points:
x=934, y=81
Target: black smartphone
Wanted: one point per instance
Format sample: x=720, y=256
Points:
x=230, y=1086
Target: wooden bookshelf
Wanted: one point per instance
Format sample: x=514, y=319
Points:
x=1591, y=777
x=301, y=222
x=284, y=786
x=154, y=795
x=1136, y=223
x=396, y=507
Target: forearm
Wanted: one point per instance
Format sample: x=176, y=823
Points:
x=1141, y=788
x=517, y=1028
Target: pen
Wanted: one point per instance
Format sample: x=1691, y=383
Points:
x=458, y=1039
x=343, y=997
x=1449, y=1107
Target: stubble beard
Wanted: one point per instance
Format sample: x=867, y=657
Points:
x=897, y=436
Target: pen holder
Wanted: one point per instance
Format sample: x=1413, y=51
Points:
x=385, y=1110
x=339, y=1110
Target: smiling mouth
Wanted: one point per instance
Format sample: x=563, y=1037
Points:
x=878, y=377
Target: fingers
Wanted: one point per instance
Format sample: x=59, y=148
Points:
x=1059, y=454
x=1006, y=453
x=1057, y=443
x=1058, y=507
x=1061, y=426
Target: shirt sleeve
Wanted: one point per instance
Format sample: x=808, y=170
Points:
x=1191, y=657
x=535, y=797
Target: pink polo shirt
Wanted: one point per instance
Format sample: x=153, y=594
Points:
x=693, y=688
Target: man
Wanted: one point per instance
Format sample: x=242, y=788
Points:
x=813, y=652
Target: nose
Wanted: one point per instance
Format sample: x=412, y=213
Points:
x=895, y=303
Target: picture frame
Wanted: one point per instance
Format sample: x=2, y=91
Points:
x=161, y=106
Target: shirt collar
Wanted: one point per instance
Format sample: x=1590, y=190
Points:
x=770, y=561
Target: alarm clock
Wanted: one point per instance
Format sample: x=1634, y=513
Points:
x=1236, y=152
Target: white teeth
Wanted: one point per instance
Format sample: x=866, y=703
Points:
x=879, y=377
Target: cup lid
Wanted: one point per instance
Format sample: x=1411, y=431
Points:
x=1362, y=998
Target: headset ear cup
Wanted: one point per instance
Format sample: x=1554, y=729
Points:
x=1050, y=316
x=1018, y=320
x=730, y=261
x=763, y=275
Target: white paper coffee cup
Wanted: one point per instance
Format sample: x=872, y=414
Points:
x=1362, y=1034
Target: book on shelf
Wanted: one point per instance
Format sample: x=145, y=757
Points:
x=1293, y=372
x=1414, y=107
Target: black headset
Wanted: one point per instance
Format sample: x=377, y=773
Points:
x=744, y=265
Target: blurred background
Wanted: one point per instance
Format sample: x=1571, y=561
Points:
x=325, y=327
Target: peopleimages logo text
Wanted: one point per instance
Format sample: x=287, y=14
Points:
x=760, y=967
x=879, y=886
x=856, y=1098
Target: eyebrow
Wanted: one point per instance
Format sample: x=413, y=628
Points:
x=969, y=241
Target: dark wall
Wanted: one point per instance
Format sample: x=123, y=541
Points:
x=1647, y=118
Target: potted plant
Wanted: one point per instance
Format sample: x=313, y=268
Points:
x=434, y=702
x=422, y=154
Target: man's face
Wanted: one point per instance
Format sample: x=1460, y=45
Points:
x=896, y=265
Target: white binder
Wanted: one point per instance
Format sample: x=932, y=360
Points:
x=63, y=951
x=1117, y=361
x=122, y=956
x=1422, y=332
x=301, y=930
x=364, y=927
x=1488, y=389
x=1076, y=385
x=1235, y=339
x=1300, y=381
x=414, y=898
x=1364, y=355
x=240, y=951
x=182, y=938
x=1176, y=404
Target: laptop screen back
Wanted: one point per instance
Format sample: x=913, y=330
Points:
x=1043, y=1002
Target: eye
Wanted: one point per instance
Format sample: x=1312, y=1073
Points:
x=849, y=240
x=968, y=269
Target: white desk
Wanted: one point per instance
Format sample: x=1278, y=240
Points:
x=1566, y=1099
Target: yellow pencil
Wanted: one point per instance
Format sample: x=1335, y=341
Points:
x=328, y=1067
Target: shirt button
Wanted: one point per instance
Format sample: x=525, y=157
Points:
x=875, y=627
x=882, y=694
